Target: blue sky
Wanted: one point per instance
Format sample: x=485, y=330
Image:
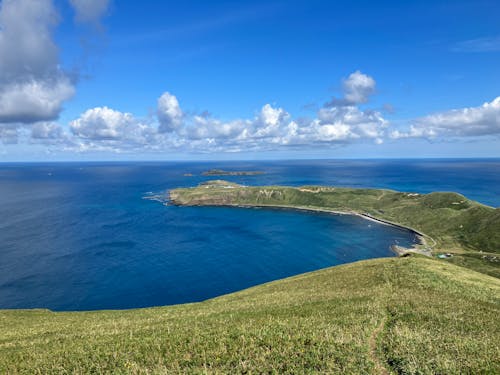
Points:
x=120, y=80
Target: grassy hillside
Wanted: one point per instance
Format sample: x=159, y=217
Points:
x=456, y=223
x=402, y=315
x=481, y=262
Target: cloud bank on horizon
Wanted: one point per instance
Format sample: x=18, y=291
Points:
x=34, y=87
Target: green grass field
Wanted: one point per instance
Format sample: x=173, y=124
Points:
x=406, y=315
x=399, y=315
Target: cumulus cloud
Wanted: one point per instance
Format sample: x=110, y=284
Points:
x=32, y=84
x=25, y=38
x=90, y=11
x=34, y=100
x=357, y=89
x=464, y=122
x=360, y=124
x=270, y=121
x=169, y=113
x=206, y=127
x=106, y=126
x=271, y=128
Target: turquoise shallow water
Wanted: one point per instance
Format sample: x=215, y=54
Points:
x=80, y=236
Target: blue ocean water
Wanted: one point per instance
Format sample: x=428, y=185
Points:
x=79, y=236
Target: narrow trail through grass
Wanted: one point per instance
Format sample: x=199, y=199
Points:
x=373, y=342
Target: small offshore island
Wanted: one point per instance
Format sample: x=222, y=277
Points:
x=467, y=231
x=221, y=172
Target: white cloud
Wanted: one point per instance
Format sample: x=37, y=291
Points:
x=358, y=87
x=333, y=132
x=270, y=121
x=26, y=46
x=414, y=132
x=35, y=100
x=273, y=128
x=361, y=124
x=47, y=131
x=205, y=127
x=270, y=129
x=90, y=11
x=169, y=113
x=103, y=125
x=464, y=122
x=270, y=116
x=32, y=84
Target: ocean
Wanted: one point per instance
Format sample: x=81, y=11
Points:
x=79, y=236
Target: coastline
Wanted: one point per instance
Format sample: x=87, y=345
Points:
x=399, y=250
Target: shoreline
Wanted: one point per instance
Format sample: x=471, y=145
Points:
x=399, y=250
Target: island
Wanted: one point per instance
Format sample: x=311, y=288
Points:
x=468, y=232
x=220, y=172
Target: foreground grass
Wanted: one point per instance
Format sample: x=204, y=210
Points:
x=433, y=317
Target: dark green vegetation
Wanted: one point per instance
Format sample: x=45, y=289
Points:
x=220, y=172
x=401, y=315
x=449, y=221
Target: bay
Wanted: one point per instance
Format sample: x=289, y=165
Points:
x=79, y=236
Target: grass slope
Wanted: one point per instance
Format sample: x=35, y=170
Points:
x=402, y=315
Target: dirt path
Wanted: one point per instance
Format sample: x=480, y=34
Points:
x=379, y=365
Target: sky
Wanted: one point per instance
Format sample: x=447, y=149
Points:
x=201, y=80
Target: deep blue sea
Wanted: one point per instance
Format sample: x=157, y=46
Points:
x=79, y=236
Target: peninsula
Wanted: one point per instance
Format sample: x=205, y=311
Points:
x=445, y=222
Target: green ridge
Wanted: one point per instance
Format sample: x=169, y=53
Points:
x=438, y=318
